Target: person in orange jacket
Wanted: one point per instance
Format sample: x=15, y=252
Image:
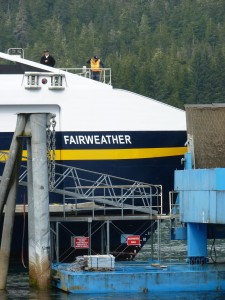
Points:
x=95, y=64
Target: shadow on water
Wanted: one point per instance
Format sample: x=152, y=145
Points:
x=18, y=279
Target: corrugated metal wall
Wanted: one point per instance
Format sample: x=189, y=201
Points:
x=206, y=127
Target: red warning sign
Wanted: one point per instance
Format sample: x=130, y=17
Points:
x=81, y=242
x=133, y=240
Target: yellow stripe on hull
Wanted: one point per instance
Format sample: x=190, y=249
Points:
x=116, y=154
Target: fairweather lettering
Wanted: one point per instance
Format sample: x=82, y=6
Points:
x=97, y=139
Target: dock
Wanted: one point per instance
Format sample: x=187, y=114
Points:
x=142, y=277
x=195, y=275
x=196, y=213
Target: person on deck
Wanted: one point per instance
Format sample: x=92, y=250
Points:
x=47, y=59
x=95, y=64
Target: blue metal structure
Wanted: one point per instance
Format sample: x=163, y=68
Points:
x=202, y=195
x=197, y=243
x=202, y=202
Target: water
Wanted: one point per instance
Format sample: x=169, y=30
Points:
x=18, y=289
x=18, y=280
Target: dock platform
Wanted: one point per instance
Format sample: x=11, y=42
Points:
x=141, y=277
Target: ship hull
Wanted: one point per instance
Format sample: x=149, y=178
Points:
x=154, y=170
x=100, y=129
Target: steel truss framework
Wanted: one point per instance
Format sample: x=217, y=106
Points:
x=79, y=186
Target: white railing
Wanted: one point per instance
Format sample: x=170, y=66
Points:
x=19, y=52
x=104, y=77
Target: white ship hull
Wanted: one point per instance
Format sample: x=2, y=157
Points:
x=97, y=127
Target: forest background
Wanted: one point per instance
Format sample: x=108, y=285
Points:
x=169, y=50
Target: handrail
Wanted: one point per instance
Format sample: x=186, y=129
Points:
x=105, y=73
x=16, y=51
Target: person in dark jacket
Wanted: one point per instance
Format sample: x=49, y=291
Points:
x=47, y=59
x=96, y=64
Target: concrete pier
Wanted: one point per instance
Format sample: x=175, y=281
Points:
x=33, y=127
x=39, y=225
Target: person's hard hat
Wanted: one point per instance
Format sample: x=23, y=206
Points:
x=95, y=57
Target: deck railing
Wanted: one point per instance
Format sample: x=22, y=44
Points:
x=104, y=77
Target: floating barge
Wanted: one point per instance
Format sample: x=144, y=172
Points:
x=141, y=278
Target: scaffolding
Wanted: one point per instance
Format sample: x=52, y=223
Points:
x=92, y=192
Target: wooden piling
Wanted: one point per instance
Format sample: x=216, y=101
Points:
x=7, y=173
x=9, y=220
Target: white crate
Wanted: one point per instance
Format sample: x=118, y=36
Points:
x=106, y=262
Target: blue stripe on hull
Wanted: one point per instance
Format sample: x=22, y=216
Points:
x=138, y=139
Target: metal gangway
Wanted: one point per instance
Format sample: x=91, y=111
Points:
x=93, y=191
